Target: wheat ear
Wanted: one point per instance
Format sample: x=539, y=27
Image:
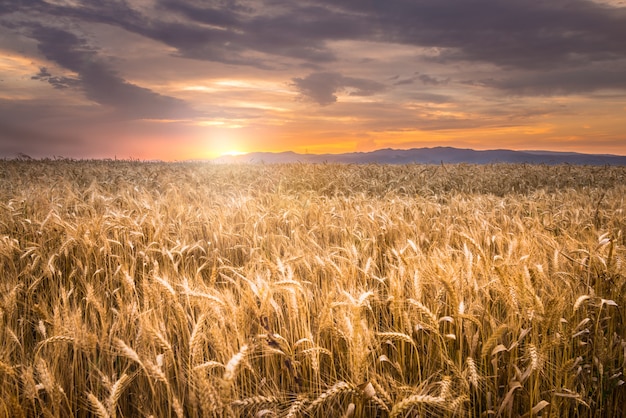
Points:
x=337, y=389
x=97, y=407
x=414, y=400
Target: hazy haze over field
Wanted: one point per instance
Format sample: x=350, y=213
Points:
x=188, y=79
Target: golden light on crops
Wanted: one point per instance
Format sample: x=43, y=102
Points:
x=301, y=290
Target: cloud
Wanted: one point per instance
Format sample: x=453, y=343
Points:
x=303, y=32
x=404, y=81
x=433, y=81
x=99, y=82
x=222, y=15
x=431, y=97
x=56, y=81
x=322, y=87
x=557, y=82
x=230, y=32
x=531, y=34
x=520, y=34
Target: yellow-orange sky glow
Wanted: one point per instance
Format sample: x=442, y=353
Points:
x=177, y=80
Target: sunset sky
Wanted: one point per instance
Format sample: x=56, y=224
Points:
x=185, y=79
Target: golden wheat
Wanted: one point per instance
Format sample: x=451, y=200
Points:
x=192, y=289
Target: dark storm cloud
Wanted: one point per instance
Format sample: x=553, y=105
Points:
x=99, y=82
x=322, y=87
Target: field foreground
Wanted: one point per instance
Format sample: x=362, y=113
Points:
x=145, y=289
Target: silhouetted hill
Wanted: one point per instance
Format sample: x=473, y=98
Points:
x=434, y=155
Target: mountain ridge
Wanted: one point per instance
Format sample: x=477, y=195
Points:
x=428, y=155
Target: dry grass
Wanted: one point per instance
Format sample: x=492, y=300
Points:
x=148, y=289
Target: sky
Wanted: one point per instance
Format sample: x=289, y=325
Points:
x=190, y=79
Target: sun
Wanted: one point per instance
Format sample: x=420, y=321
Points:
x=233, y=153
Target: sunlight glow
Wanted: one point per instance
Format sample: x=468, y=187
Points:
x=233, y=153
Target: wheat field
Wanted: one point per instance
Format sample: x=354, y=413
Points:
x=136, y=289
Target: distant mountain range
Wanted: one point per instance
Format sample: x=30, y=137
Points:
x=436, y=155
